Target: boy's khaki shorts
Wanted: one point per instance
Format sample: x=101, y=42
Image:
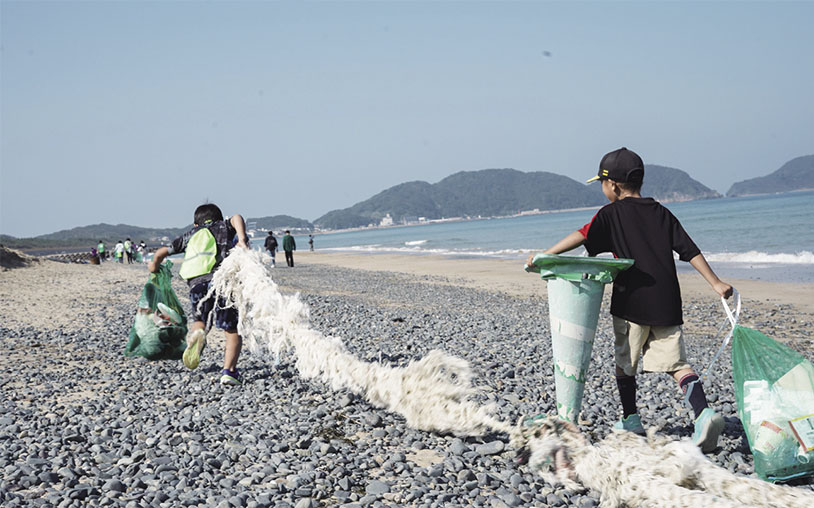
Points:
x=660, y=347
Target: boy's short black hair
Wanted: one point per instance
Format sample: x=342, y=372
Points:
x=630, y=186
x=207, y=212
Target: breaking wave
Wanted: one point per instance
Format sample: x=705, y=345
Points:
x=801, y=258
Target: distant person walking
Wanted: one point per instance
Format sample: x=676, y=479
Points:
x=289, y=246
x=311, y=242
x=119, y=251
x=100, y=248
x=141, y=249
x=128, y=251
x=271, y=246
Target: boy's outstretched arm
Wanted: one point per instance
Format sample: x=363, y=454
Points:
x=240, y=229
x=570, y=242
x=158, y=258
x=699, y=262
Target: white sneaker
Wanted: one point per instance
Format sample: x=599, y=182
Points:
x=195, y=344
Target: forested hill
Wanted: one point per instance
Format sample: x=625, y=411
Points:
x=489, y=192
x=796, y=174
x=671, y=184
x=111, y=233
x=496, y=192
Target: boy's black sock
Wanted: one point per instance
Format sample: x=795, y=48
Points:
x=698, y=400
x=627, y=393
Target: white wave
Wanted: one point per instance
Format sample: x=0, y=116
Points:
x=416, y=242
x=801, y=258
x=750, y=257
x=418, y=249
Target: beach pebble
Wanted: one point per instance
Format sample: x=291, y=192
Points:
x=491, y=448
x=377, y=487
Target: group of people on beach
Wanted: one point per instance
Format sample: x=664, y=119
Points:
x=289, y=246
x=128, y=251
x=645, y=304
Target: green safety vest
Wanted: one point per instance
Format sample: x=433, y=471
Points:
x=101, y=247
x=201, y=255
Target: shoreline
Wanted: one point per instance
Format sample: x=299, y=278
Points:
x=508, y=277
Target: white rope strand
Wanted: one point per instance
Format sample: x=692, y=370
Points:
x=434, y=393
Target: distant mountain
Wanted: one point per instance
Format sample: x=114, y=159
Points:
x=113, y=233
x=671, y=184
x=89, y=235
x=496, y=192
x=796, y=174
x=280, y=222
x=489, y=192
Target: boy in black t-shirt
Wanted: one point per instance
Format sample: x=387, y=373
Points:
x=646, y=301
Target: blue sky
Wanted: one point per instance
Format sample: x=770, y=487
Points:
x=136, y=112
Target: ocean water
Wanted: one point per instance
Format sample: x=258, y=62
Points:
x=768, y=237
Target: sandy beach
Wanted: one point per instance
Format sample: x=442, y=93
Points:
x=507, y=276
x=82, y=424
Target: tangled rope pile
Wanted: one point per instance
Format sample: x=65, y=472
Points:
x=632, y=471
x=434, y=393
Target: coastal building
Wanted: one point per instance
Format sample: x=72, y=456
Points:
x=386, y=220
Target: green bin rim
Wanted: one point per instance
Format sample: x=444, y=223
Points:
x=555, y=266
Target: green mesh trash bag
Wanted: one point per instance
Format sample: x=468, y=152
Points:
x=160, y=327
x=774, y=389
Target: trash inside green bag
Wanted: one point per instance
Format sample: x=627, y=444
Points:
x=160, y=327
x=774, y=390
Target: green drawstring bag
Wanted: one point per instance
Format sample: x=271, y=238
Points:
x=160, y=327
x=774, y=390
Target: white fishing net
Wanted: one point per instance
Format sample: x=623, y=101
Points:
x=434, y=393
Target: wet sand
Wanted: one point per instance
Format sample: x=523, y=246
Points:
x=508, y=276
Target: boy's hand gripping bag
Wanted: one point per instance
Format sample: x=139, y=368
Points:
x=160, y=327
x=774, y=390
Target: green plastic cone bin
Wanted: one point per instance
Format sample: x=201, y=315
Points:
x=575, y=287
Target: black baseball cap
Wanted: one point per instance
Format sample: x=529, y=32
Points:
x=622, y=166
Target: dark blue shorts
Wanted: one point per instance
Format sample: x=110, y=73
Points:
x=225, y=318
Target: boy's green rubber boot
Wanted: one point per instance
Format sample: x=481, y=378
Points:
x=631, y=424
x=708, y=428
x=195, y=344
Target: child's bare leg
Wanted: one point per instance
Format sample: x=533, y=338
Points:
x=234, y=343
x=677, y=375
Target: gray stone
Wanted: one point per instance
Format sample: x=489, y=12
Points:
x=491, y=448
x=377, y=487
x=305, y=502
x=458, y=447
x=48, y=477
